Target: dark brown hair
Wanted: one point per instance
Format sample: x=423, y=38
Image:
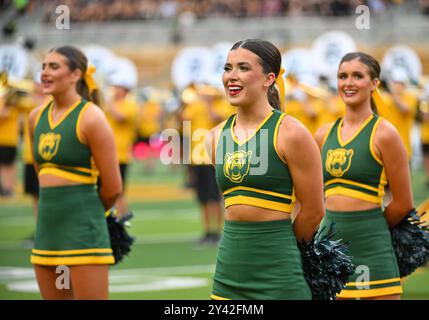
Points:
x=76, y=59
x=270, y=59
x=372, y=64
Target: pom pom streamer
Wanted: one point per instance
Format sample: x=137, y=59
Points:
x=326, y=266
x=410, y=239
x=120, y=240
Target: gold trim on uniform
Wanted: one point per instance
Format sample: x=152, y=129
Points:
x=370, y=293
x=371, y=142
x=215, y=297
x=270, y=193
x=353, y=194
x=69, y=110
x=254, y=132
x=79, y=118
x=68, y=175
x=261, y=203
x=276, y=135
x=340, y=141
x=353, y=183
x=70, y=252
x=86, y=170
x=54, y=261
x=41, y=111
x=382, y=184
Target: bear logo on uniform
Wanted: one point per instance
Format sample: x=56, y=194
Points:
x=338, y=161
x=48, y=145
x=236, y=165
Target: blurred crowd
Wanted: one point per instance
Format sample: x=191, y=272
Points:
x=113, y=10
x=116, y=10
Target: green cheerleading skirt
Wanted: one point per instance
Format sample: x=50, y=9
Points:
x=369, y=243
x=260, y=261
x=71, y=228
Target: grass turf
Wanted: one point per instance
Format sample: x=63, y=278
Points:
x=165, y=262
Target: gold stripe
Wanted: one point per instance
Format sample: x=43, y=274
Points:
x=261, y=203
x=373, y=282
x=350, y=182
x=67, y=252
x=47, y=261
x=40, y=112
x=215, y=297
x=275, y=137
x=356, y=133
x=370, y=293
x=53, y=165
x=254, y=132
x=270, y=193
x=353, y=194
x=70, y=109
x=383, y=182
x=78, y=122
x=231, y=128
x=68, y=175
x=371, y=143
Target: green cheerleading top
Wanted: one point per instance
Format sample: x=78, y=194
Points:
x=252, y=172
x=352, y=168
x=58, y=148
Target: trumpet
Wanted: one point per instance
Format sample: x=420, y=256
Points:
x=292, y=82
x=16, y=93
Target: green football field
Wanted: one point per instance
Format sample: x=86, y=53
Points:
x=165, y=262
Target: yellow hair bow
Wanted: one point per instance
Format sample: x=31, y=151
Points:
x=378, y=99
x=281, y=86
x=89, y=80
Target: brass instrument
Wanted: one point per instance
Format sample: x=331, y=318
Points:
x=424, y=93
x=292, y=83
x=424, y=106
x=16, y=93
x=194, y=92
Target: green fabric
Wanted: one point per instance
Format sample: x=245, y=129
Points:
x=63, y=146
x=265, y=170
x=259, y=260
x=71, y=218
x=360, y=166
x=369, y=243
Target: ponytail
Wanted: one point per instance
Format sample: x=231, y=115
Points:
x=83, y=90
x=273, y=98
x=374, y=106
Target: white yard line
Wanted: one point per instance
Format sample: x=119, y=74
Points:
x=125, y=280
